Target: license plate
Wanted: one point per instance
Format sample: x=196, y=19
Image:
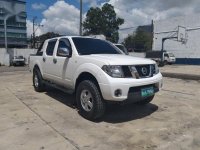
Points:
x=145, y=92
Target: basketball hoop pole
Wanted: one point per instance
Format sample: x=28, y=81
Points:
x=162, y=50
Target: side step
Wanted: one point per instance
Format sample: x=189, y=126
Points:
x=61, y=88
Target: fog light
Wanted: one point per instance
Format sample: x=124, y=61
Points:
x=118, y=93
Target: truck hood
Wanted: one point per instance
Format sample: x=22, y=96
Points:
x=119, y=59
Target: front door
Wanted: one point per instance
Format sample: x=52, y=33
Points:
x=62, y=63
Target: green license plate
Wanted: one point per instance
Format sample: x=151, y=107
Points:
x=145, y=92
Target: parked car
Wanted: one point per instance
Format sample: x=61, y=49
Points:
x=18, y=61
x=95, y=71
x=122, y=47
x=168, y=58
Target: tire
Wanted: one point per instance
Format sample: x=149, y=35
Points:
x=89, y=100
x=161, y=64
x=158, y=63
x=38, y=82
x=165, y=62
x=146, y=100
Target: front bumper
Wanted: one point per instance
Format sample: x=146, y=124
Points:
x=173, y=60
x=126, y=85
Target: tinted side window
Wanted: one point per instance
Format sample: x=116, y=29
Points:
x=50, y=47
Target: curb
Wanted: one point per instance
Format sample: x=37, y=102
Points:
x=181, y=76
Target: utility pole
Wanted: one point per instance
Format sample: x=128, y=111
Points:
x=5, y=33
x=5, y=30
x=162, y=49
x=34, y=18
x=81, y=11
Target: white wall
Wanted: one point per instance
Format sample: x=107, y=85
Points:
x=189, y=50
x=6, y=57
x=135, y=54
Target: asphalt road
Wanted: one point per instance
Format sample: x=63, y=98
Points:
x=36, y=121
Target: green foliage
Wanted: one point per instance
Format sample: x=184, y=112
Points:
x=103, y=21
x=140, y=40
x=46, y=36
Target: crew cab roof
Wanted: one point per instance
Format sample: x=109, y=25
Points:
x=69, y=37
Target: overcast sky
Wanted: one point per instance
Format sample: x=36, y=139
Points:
x=63, y=16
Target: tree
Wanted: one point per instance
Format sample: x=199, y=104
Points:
x=129, y=41
x=46, y=36
x=141, y=40
x=103, y=21
x=40, y=39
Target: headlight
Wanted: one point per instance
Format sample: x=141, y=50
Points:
x=114, y=71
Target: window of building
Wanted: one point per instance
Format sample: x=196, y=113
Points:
x=16, y=35
x=1, y=22
x=1, y=34
x=2, y=11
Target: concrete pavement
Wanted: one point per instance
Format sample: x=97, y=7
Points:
x=21, y=128
x=12, y=68
x=37, y=121
x=189, y=72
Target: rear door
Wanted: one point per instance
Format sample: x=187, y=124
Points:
x=47, y=60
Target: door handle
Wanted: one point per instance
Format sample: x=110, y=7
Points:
x=44, y=59
x=54, y=61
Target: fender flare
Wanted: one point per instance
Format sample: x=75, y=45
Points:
x=87, y=68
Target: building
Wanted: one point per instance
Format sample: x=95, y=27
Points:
x=13, y=13
x=187, y=52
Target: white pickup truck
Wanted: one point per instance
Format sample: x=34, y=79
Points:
x=96, y=71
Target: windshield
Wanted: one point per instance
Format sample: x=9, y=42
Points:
x=19, y=57
x=88, y=46
x=171, y=55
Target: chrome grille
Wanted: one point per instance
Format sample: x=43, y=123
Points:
x=141, y=71
x=144, y=71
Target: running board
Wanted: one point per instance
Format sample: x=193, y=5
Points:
x=61, y=88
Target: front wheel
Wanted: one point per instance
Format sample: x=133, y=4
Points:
x=165, y=62
x=38, y=82
x=89, y=100
x=146, y=100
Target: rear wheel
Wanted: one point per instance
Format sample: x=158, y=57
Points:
x=38, y=82
x=89, y=100
x=146, y=100
x=165, y=62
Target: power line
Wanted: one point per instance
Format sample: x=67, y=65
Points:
x=127, y=28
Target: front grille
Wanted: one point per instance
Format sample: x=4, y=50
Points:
x=127, y=72
x=142, y=71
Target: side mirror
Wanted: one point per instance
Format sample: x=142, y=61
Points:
x=63, y=52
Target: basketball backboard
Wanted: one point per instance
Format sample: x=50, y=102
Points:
x=182, y=35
